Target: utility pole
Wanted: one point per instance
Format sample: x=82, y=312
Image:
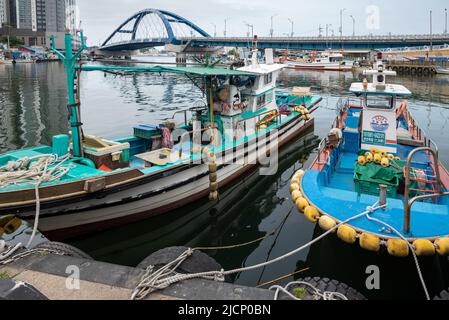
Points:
x=431, y=32
x=293, y=27
x=327, y=34
x=445, y=21
x=272, y=26
x=341, y=22
x=320, y=31
x=215, y=30
x=353, y=25
x=225, y=27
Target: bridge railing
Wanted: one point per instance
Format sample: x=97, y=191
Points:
x=332, y=38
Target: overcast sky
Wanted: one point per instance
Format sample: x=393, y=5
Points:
x=101, y=17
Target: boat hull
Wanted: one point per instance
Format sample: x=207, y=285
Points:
x=68, y=218
x=319, y=67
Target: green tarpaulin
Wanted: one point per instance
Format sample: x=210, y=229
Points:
x=201, y=71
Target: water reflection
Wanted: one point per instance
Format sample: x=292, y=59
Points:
x=33, y=108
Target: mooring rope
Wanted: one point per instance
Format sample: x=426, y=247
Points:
x=318, y=294
x=34, y=170
x=415, y=257
x=167, y=275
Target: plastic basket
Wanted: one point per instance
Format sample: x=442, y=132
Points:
x=146, y=131
x=371, y=188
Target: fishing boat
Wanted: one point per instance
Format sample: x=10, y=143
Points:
x=377, y=179
x=325, y=61
x=443, y=71
x=83, y=183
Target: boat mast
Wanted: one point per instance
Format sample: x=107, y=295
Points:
x=70, y=60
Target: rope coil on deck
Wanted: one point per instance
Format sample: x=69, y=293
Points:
x=35, y=170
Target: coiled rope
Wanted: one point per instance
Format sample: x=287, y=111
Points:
x=7, y=253
x=167, y=275
x=37, y=170
x=317, y=294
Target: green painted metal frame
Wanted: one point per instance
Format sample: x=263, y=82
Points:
x=70, y=61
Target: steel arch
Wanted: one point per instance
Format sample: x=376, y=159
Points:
x=166, y=17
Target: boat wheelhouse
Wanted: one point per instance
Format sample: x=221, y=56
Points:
x=377, y=177
x=84, y=183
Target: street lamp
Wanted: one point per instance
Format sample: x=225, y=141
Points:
x=353, y=25
x=445, y=24
x=341, y=21
x=252, y=28
x=215, y=30
x=327, y=34
x=293, y=27
x=431, y=31
x=225, y=26
x=272, y=26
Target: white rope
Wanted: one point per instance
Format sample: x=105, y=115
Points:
x=7, y=251
x=167, y=276
x=415, y=257
x=34, y=170
x=317, y=294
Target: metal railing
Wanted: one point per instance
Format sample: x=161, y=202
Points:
x=409, y=203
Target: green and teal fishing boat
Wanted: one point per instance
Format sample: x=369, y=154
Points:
x=377, y=179
x=84, y=183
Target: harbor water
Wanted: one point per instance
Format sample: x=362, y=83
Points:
x=33, y=109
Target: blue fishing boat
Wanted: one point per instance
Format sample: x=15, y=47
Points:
x=377, y=179
x=84, y=183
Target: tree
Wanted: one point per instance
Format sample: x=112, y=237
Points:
x=13, y=41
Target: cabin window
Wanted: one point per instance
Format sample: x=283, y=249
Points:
x=261, y=100
x=269, y=96
x=379, y=102
x=268, y=78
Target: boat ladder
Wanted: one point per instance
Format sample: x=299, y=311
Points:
x=433, y=178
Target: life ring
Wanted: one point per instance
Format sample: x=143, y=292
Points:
x=225, y=106
x=239, y=106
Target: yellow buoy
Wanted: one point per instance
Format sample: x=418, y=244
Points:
x=312, y=214
x=301, y=204
x=369, y=157
x=213, y=177
x=361, y=160
x=296, y=194
x=373, y=150
x=383, y=153
x=398, y=247
x=213, y=186
x=293, y=187
x=295, y=180
x=299, y=174
x=442, y=246
x=397, y=159
x=390, y=156
x=369, y=242
x=424, y=247
x=212, y=167
x=347, y=234
x=385, y=162
x=213, y=196
x=378, y=158
x=327, y=223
